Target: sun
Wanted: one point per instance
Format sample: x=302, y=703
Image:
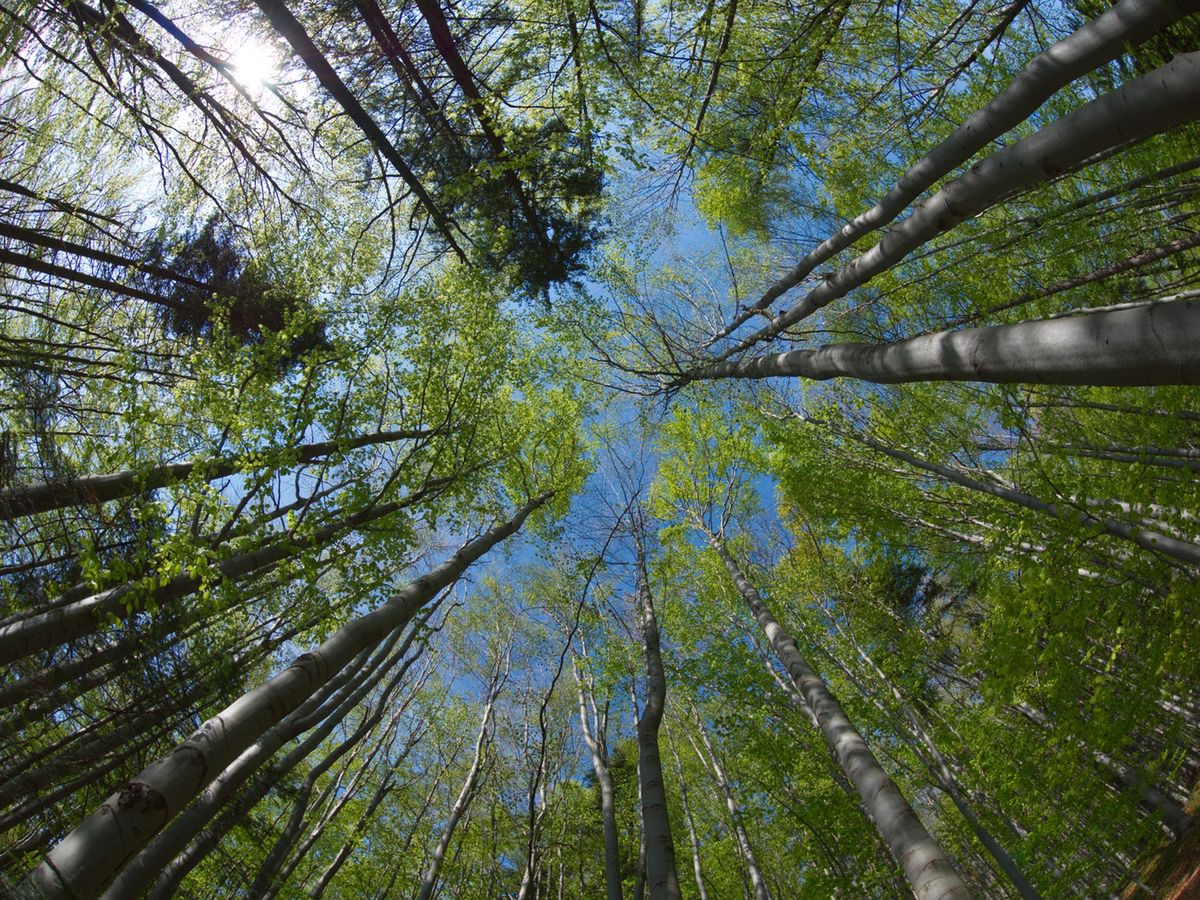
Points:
x=254, y=64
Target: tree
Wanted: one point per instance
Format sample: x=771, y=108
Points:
x=374, y=377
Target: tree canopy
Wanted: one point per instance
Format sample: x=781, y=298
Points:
x=599, y=449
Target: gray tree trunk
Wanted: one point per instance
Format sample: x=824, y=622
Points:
x=693, y=838
x=942, y=772
x=175, y=851
x=757, y=882
x=926, y=866
x=594, y=735
x=1104, y=38
x=661, y=877
x=90, y=856
x=1140, y=108
x=27, y=499
x=1153, y=343
x=467, y=793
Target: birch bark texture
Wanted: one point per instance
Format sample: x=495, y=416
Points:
x=926, y=866
x=91, y=855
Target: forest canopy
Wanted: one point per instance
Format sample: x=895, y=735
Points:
x=599, y=448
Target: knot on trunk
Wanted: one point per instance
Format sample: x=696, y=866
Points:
x=137, y=796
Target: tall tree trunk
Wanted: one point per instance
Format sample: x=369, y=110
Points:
x=88, y=858
x=179, y=847
x=693, y=838
x=1105, y=38
x=1186, y=551
x=467, y=793
x=1148, y=344
x=926, y=866
x=639, y=878
x=273, y=872
x=283, y=21
x=944, y=775
x=661, y=877
x=594, y=735
x=42, y=630
x=757, y=882
x=1149, y=105
x=27, y=499
x=439, y=30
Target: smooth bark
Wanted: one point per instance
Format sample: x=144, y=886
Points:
x=27, y=499
x=594, y=729
x=1106, y=37
x=1148, y=344
x=1185, y=551
x=661, y=877
x=757, y=882
x=926, y=866
x=169, y=857
x=1149, y=105
x=467, y=793
x=90, y=856
x=918, y=735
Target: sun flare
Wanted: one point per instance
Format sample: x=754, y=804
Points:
x=254, y=64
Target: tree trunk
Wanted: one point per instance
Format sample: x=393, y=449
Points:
x=1140, y=108
x=943, y=773
x=661, y=877
x=284, y=22
x=693, y=838
x=1105, y=38
x=594, y=736
x=88, y=858
x=467, y=794
x=27, y=499
x=168, y=858
x=757, y=882
x=41, y=631
x=1149, y=344
x=926, y=866
x=1185, y=551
